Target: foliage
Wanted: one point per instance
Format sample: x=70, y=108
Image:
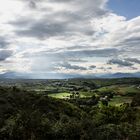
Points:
x=29, y=115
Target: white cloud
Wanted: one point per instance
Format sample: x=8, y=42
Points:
x=44, y=33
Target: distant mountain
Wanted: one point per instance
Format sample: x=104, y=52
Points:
x=15, y=75
x=12, y=75
x=121, y=75
x=5, y=75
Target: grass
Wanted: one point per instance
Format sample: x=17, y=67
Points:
x=123, y=93
x=86, y=94
x=121, y=89
x=128, y=90
x=64, y=95
x=118, y=100
x=60, y=95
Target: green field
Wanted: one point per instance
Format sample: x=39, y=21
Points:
x=118, y=100
x=121, y=89
x=60, y=95
x=122, y=93
x=65, y=95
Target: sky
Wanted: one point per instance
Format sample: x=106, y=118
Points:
x=59, y=38
x=127, y=8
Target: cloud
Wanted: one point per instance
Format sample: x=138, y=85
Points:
x=121, y=63
x=134, y=60
x=67, y=36
x=72, y=55
x=44, y=30
x=69, y=18
x=92, y=67
x=66, y=65
x=127, y=62
x=76, y=60
x=4, y=54
x=3, y=42
x=87, y=53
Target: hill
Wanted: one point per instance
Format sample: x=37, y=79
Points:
x=26, y=115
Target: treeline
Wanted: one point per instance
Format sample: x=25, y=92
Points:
x=29, y=116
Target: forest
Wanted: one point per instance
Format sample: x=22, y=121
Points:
x=71, y=109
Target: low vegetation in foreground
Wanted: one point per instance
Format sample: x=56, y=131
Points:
x=75, y=109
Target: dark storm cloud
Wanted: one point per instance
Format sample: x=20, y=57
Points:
x=92, y=67
x=71, y=22
x=77, y=60
x=76, y=54
x=91, y=53
x=121, y=63
x=132, y=39
x=32, y=4
x=43, y=29
x=109, y=68
x=3, y=42
x=134, y=60
x=22, y=22
x=71, y=67
x=47, y=27
x=4, y=54
x=131, y=42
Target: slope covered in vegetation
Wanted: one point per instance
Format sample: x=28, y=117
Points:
x=30, y=116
